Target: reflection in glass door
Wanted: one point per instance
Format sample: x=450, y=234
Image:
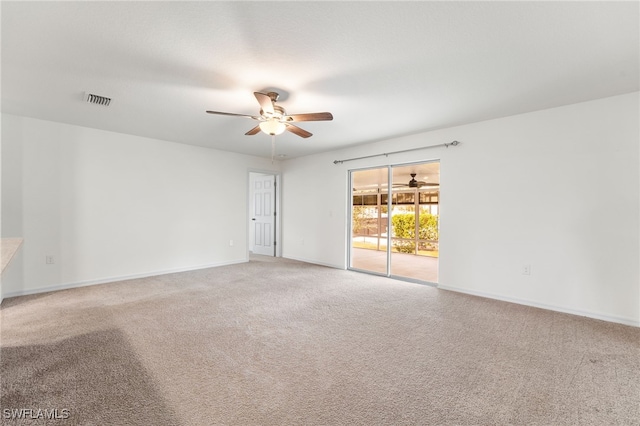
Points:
x=369, y=220
x=412, y=227
x=414, y=221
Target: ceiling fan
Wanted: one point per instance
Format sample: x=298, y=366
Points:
x=413, y=183
x=274, y=119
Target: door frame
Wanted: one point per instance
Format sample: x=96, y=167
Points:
x=389, y=168
x=277, y=238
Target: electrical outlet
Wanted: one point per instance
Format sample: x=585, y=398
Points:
x=230, y=243
x=301, y=241
x=50, y=260
x=526, y=270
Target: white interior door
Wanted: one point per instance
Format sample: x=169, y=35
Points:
x=263, y=219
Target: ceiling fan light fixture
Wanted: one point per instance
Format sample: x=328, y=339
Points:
x=274, y=120
x=272, y=127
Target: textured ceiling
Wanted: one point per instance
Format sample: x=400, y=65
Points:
x=383, y=69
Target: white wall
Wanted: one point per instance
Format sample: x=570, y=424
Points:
x=108, y=205
x=526, y=189
x=558, y=189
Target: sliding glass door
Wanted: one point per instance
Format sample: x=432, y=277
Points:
x=369, y=220
x=395, y=221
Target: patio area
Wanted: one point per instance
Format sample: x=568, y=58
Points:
x=422, y=268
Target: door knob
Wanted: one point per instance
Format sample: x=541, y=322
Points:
x=253, y=218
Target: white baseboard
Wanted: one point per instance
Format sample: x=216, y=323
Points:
x=116, y=278
x=594, y=315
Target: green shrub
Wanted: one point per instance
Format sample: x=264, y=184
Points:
x=404, y=226
x=404, y=246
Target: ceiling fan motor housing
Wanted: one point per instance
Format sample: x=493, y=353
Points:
x=278, y=112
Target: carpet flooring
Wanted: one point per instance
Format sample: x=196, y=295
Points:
x=281, y=342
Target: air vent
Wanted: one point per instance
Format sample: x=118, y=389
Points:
x=97, y=99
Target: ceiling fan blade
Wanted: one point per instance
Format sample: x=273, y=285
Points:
x=312, y=116
x=253, y=131
x=265, y=103
x=233, y=114
x=297, y=131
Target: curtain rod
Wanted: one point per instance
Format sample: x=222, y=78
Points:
x=386, y=154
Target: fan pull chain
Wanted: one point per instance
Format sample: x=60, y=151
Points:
x=273, y=147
